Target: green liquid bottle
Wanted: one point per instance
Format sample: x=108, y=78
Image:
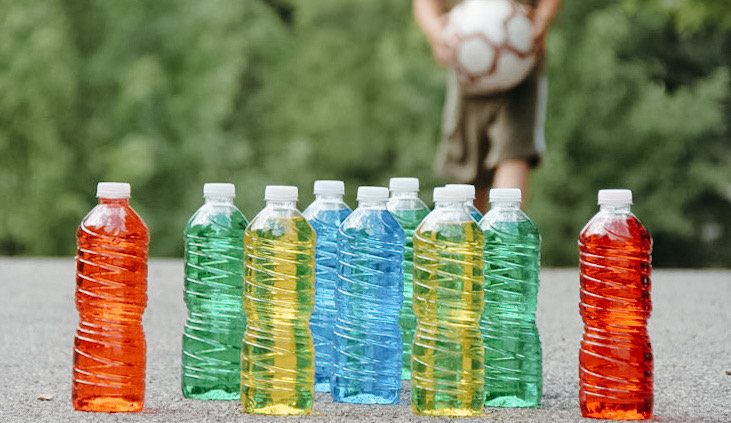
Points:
x=513, y=360
x=214, y=282
x=408, y=210
x=447, y=364
x=277, y=357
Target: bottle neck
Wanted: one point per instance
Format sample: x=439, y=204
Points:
x=114, y=201
x=329, y=198
x=615, y=208
x=405, y=195
x=372, y=204
x=219, y=200
x=505, y=205
x=441, y=205
x=279, y=204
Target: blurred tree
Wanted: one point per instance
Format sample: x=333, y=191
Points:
x=38, y=92
x=689, y=14
x=173, y=93
x=634, y=103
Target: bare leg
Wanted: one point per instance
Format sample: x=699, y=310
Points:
x=512, y=174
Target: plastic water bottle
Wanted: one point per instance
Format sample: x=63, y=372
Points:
x=615, y=359
x=469, y=203
x=408, y=209
x=368, y=351
x=325, y=214
x=447, y=361
x=214, y=282
x=111, y=295
x=277, y=357
x=513, y=358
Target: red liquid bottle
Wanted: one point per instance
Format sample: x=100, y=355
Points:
x=111, y=295
x=615, y=359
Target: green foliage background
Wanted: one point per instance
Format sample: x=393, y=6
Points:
x=169, y=94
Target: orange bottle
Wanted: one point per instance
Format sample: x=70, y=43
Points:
x=111, y=295
x=615, y=359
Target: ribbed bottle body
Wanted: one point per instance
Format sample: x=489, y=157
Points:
x=277, y=357
x=409, y=213
x=367, y=344
x=214, y=281
x=615, y=358
x=325, y=218
x=513, y=355
x=447, y=356
x=111, y=296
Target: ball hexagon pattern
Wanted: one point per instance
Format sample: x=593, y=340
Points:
x=491, y=44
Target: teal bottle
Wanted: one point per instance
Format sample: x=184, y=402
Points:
x=408, y=210
x=214, y=280
x=447, y=375
x=513, y=358
x=469, y=204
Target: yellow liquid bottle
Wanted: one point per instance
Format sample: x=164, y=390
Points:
x=277, y=355
x=447, y=364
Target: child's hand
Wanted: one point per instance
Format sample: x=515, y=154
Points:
x=542, y=16
x=540, y=29
x=440, y=49
x=439, y=44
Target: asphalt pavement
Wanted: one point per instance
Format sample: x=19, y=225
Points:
x=690, y=329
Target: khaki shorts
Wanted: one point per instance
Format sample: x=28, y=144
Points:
x=478, y=132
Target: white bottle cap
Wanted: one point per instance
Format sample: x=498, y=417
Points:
x=280, y=193
x=329, y=188
x=450, y=194
x=614, y=196
x=219, y=190
x=404, y=184
x=112, y=190
x=469, y=190
x=372, y=194
x=512, y=195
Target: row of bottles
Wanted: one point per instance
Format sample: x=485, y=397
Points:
x=388, y=276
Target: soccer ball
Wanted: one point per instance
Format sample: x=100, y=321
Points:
x=491, y=44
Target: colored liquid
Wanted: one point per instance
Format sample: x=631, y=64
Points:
x=214, y=282
x=473, y=211
x=409, y=219
x=447, y=361
x=325, y=218
x=111, y=295
x=513, y=358
x=277, y=357
x=615, y=359
x=367, y=345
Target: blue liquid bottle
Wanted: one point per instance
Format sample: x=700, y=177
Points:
x=367, y=357
x=513, y=358
x=408, y=209
x=214, y=283
x=469, y=204
x=325, y=214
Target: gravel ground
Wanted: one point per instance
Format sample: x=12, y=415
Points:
x=689, y=328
